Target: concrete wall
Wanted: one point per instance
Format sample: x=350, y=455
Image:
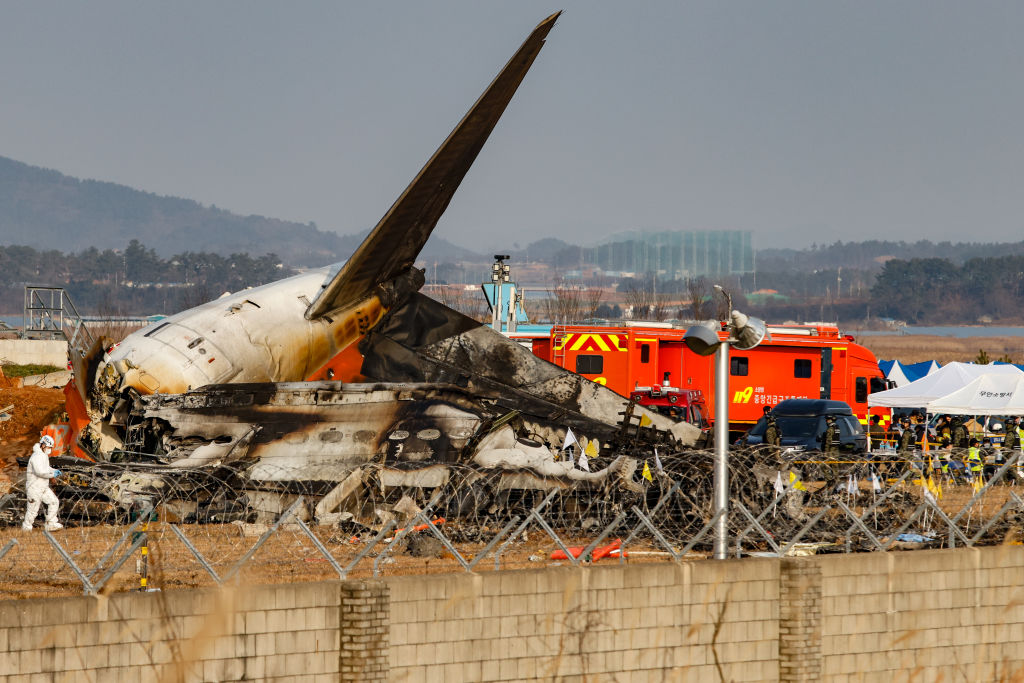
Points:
x=640, y=622
x=34, y=352
x=958, y=615
x=929, y=615
x=253, y=633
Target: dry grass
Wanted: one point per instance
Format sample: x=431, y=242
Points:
x=917, y=348
x=114, y=330
x=33, y=569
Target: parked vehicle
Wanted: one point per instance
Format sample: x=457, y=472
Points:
x=687, y=405
x=802, y=425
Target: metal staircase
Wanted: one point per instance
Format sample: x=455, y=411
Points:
x=50, y=314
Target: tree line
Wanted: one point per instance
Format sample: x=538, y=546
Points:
x=919, y=291
x=935, y=290
x=134, y=280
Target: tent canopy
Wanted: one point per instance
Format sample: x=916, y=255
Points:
x=904, y=374
x=894, y=372
x=916, y=371
x=988, y=394
x=945, y=380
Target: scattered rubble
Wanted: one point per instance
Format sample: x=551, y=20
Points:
x=29, y=410
x=425, y=546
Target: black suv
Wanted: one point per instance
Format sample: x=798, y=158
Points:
x=801, y=422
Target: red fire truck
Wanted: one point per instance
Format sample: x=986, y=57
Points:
x=799, y=361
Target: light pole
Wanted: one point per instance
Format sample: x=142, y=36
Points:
x=744, y=333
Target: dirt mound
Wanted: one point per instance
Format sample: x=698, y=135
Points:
x=33, y=409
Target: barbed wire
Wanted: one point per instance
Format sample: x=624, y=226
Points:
x=205, y=524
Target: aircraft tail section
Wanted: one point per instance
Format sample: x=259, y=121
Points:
x=393, y=245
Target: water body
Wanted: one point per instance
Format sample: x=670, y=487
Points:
x=960, y=331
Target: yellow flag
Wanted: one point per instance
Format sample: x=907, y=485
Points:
x=647, y=473
x=591, y=449
x=796, y=483
x=935, y=488
x=644, y=420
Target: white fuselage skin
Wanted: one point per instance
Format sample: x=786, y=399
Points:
x=256, y=335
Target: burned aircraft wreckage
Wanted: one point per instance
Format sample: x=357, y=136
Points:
x=226, y=386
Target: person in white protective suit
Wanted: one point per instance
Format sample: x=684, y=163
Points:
x=37, y=486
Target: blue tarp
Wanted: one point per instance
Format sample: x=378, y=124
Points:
x=916, y=371
x=903, y=374
x=999, y=362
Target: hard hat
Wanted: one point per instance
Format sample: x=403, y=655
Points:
x=46, y=441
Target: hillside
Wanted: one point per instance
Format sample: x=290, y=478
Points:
x=45, y=209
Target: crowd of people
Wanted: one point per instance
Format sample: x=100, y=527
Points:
x=953, y=442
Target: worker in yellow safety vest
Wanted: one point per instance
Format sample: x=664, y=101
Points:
x=1020, y=443
x=974, y=462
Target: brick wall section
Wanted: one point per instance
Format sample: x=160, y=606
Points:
x=926, y=615
x=799, y=620
x=364, y=626
x=251, y=633
x=692, y=622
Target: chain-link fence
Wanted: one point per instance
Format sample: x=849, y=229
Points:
x=133, y=526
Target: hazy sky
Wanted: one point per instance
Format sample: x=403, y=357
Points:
x=800, y=121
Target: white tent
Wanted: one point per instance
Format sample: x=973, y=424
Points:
x=945, y=380
x=989, y=394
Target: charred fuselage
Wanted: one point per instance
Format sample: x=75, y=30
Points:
x=221, y=385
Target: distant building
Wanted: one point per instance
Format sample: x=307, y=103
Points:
x=764, y=296
x=676, y=254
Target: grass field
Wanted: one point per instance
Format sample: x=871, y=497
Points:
x=12, y=370
x=917, y=348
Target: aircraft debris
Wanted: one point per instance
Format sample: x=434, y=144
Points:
x=425, y=546
x=599, y=553
x=251, y=529
x=433, y=400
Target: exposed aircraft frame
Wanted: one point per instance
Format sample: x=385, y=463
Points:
x=221, y=384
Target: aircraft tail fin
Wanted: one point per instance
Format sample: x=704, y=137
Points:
x=393, y=245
